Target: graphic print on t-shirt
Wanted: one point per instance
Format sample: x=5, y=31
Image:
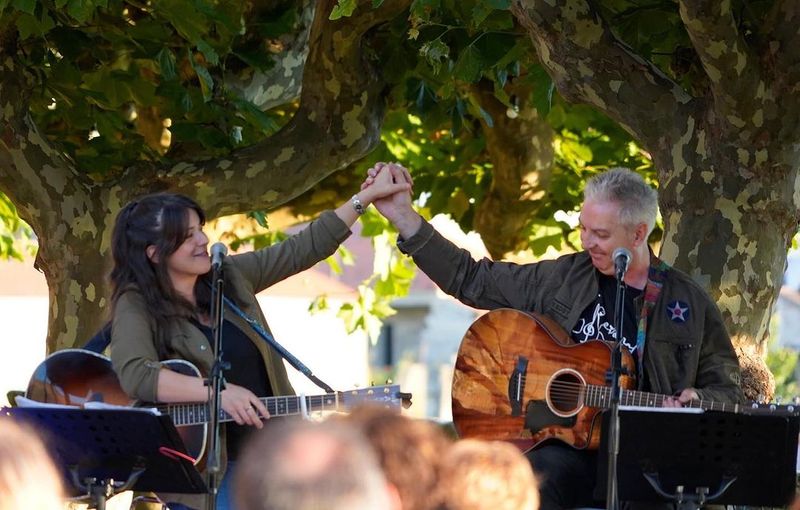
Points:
x=595, y=324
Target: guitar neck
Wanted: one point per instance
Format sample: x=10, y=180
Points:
x=197, y=414
x=600, y=396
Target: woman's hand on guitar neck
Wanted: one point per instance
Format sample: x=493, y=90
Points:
x=244, y=407
x=683, y=398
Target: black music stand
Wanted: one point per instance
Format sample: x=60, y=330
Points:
x=104, y=451
x=694, y=458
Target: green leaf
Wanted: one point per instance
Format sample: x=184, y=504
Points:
x=543, y=88
x=434, y=52
x=470, y=64
x=26, y=6
x=458, y=203
x=112, y=85
x=166, y=61
x=81, y=10
x=343, y=9
x=29, y=25
x=484, y=8
x=257, y=117
x=260, y=217
x=373, y=224
x=206, y=81
x=210, y=53
x=188, y=21
x=477, y=111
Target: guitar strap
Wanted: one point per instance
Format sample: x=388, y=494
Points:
x=656, y=276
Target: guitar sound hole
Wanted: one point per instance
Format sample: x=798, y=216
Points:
x=565, y=393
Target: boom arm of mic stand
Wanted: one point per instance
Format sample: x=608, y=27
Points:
x=288, y=356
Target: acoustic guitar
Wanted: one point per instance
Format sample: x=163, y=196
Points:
x=520, y=378
x=76, y=376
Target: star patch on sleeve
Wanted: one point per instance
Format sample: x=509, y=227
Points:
x=678, y=311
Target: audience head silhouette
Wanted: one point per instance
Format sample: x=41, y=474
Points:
x=307, y=466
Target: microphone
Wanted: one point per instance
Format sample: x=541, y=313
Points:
x=622, y=259
x=218, y=252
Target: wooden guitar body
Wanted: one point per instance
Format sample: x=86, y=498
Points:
x=517, y=371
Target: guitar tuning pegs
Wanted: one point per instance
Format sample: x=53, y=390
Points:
x=389, y=381
x=796, y=400
x=778, y=399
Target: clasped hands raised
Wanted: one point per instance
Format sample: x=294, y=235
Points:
x=395, y=207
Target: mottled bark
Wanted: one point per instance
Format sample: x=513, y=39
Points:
x=282, y=83
x=520, y=148
x=62, y=206
x=727, y=158
x=337, y=122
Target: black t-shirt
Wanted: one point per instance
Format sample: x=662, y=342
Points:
x=246, y=370
x=597, y=320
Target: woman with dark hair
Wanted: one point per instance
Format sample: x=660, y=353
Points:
x=161, y=296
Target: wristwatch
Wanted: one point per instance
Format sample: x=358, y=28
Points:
x=357, y=205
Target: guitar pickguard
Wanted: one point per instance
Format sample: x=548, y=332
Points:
x=538, y=416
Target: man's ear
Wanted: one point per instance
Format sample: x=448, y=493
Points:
x=640, y=234
x=152, y=254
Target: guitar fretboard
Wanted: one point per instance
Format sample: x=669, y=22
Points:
x=600, y=396
x=196, y=414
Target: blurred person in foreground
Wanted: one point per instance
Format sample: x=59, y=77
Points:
x=487, y=475
x=297, y=465
x=408, y=450
x=28, y=477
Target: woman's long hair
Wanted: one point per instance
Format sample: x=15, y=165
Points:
x=160, y=220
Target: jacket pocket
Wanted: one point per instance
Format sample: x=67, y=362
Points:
x=674, y=359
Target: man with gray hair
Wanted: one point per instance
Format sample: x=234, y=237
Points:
x=670, y=325
x=296, y=465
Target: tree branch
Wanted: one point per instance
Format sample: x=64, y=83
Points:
x=338, y=121
x=730, y=64
x=589, y=64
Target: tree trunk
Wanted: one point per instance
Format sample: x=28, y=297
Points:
x=727, y=158
x=520, y=148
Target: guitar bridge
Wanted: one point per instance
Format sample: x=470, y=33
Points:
x=516, y=386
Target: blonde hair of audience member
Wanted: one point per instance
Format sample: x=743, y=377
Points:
x=297, y=465
x=408, y=450
x=28, y=477
x=487, y=475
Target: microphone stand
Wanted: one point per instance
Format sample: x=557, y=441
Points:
x=216, y=381
x=617, y=370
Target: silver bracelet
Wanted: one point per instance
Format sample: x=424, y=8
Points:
x=357, y=205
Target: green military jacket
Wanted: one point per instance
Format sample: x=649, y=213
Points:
x=690, y=349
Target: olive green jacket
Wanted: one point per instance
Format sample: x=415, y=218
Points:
x=693, y=350
x=133, y=352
